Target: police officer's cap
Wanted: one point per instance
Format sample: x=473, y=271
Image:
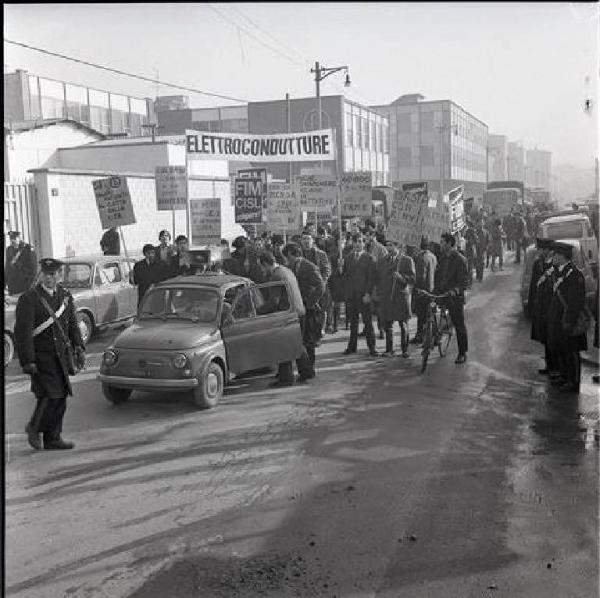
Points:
x=239, y=242
x=50, y=265
x=563, y=248
x=14, y=234
x=543, y=243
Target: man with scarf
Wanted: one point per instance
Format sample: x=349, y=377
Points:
x=395, y=278
x=567, y=302
x=312, y=287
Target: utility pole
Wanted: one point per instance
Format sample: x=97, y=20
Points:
x=153, y=127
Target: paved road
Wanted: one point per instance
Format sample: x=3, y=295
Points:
x=469, y=481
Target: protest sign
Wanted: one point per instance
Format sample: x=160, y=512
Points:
x=287, y=147
x=316, y=192
x=113, y=201
x=357, y=194
x=283, y=212
x=249, y=200
x=171, y=187
x=456, y=208
x=205, y=221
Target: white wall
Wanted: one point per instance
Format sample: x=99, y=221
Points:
x=31, y=149
x=71, y=225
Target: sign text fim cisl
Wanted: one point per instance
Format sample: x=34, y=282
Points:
x=297, y=147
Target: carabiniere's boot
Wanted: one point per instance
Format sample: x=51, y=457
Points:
x=33, y=438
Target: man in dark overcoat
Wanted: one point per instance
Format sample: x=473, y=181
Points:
x=148, y=271
x=395, y=279
x=567, y=302
x=320, y=259
x=539, y=296
x=360, y=275
x=312, y=288
x=20, y=267
x=42, y=353
x=452, y=279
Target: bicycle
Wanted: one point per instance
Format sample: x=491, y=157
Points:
x=437, y=330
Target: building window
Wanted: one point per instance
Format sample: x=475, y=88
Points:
x=138, y=117
x=99, y=113
x=427, y=122
x=385, y=137
x=34, y=98
x=364, y=132
x=403, y=122
x=52, y=99
x=119, y=108
x=349, y=132
x=372, y=144
x=404, y=157
x=426, y=155
x=357, y=131
x=77, y=103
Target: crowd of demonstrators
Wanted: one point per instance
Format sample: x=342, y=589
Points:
x=557, y=304
x=20, y=267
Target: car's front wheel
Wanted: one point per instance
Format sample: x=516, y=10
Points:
x=9, y=349
x=86, y=327
x=210, y=388
x=116, y=395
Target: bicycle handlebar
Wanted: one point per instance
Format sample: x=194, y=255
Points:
x=431, y=295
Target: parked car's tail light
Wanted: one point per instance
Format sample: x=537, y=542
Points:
x=109, y=357
x=180, y=361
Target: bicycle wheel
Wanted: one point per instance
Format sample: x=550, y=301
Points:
x=427, y=344
x=445, y=333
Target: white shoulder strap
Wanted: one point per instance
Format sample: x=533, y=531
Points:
x=50, y=320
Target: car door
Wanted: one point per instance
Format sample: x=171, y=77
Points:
x=128, y=295
x=107, y=284
x=279, y=321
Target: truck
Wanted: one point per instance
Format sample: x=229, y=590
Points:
x=539, y=198
x=502, y=196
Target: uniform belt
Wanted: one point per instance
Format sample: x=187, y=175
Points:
x=50, y=320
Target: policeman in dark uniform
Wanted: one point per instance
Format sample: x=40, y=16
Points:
x=20, y=266
x=567, y=302
x=42, y=350
x=540, y=294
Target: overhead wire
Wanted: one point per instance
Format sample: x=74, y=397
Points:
x=126, y=74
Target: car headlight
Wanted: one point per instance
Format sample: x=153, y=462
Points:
x=180, y=361
x=109, y=357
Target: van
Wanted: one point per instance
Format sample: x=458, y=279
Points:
x=575, y=225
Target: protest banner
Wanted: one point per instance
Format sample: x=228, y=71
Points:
x=286, y=147
x=249, y=200
x=171, y=187
x=283, y=212
x=316, y=192
x=205, y=216
x=113, y=201
x=357, y=194
x=407, y=218
x=456, y=208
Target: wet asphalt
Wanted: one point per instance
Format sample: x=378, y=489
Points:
x=374, y=480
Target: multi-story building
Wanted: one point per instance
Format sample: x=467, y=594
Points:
x=497, y=157
x=28, y=97
x=539, y=169
x=515, y=165
x=438, y=142
x=362, y=133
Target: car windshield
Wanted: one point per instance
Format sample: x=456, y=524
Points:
x=76, y=276
x=564, y=230
x=198, y=305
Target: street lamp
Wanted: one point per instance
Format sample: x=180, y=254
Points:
x=321, y=73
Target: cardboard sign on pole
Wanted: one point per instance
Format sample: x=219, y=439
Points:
x=249, y=200
x=205, y=216
x=283, y=213
x=357, y=194
x=171, y=187
x=113, y=201
x=316, y=193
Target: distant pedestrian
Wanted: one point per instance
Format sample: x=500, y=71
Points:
x=482, y=242
x=110, y=243
x=164, y=250
x=225, y=253
x=520, y=236
x=45, y=325
x=496, y=234
x=20, y=268
x=148, y=271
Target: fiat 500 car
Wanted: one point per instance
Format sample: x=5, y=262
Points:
x=192, y=333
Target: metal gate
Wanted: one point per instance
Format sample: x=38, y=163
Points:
x=21, y=213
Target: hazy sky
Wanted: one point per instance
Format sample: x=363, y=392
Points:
x=524, y=69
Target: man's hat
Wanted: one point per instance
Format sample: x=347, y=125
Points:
x=14, y=234
x=277, y=239
x=543, y=243
x=563, y=248
x=239, y=242
x=50, y=265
